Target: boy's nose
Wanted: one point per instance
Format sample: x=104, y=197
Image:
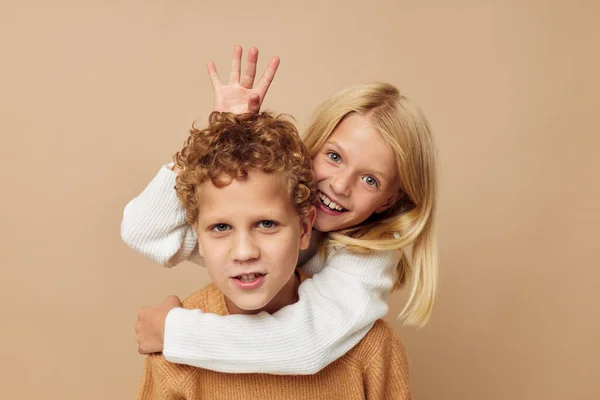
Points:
x=245, y=249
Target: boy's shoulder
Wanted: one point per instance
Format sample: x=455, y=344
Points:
x=379, y=342
x=208, y=299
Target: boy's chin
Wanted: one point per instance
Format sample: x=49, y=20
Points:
x=249, y=305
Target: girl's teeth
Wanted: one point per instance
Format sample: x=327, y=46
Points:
x=331, y=204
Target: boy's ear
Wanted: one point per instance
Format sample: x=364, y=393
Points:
x=307, y=224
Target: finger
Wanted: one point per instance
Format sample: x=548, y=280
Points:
x=213, y=76
x=236, y=62
x=250, y=73
x=267, y=78
x=254, y=103
x=173, y=301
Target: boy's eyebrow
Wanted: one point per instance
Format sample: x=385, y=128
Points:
x=260, y=215
x=341, y=150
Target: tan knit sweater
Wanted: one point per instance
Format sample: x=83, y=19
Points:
x=376, y=368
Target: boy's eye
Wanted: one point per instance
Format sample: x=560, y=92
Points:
x=333, y=156
x=220, y=227
x=369, y=180
x=266, y=224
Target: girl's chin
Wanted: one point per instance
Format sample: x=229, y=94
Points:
x=328, y=223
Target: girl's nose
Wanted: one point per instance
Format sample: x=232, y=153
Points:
x=341, y=183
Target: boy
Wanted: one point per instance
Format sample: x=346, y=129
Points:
x=247, y=186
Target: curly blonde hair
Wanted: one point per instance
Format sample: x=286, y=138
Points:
x=234, y=144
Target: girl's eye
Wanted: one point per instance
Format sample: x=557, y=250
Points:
x=266, y=224
x=333, y=156
x=220, y=227
x=369, y=180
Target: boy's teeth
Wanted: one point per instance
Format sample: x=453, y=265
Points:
x=248, y=277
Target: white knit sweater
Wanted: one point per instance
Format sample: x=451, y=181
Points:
x=334, y=312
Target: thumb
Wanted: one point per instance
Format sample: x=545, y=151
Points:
x=254, y=103
x=172, y=301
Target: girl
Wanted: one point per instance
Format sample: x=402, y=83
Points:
x=374, y=164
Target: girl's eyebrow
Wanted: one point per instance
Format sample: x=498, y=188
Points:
x=334, y=144
x=373, y=171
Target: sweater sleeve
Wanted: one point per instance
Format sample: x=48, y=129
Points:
x=335, y=310
x=154, y=223
x=386, y=374
x=155, y=383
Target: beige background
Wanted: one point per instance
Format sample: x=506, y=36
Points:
x=96, y=95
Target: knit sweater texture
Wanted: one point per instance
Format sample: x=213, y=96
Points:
x=376, y=368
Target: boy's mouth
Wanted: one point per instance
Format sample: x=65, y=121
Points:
x=249, y=277
x=330, y=204
x=249, y=281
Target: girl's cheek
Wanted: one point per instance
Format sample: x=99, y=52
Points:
x=320, y=169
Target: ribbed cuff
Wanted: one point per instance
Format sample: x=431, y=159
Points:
x=177, y=329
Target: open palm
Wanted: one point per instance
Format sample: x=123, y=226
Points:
x=239, y=96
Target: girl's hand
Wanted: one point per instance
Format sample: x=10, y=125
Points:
x=150, y=326
x=239, y=97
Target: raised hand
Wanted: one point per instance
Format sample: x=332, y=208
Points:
x=239, y=96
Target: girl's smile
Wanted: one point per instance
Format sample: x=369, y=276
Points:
x=327, y=204
x=356, y=175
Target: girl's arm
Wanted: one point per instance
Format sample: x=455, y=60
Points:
x=154, y=223
x=335, y=310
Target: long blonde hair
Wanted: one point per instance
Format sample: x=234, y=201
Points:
x=409, y=225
